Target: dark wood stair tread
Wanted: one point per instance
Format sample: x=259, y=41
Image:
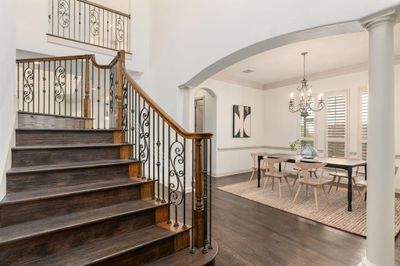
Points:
x=64, y=166
x=52, y=224
x=107, y=248
x=19, y=197
x=54, y=115
x=70, y=146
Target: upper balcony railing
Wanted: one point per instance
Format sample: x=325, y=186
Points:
x=89, y=23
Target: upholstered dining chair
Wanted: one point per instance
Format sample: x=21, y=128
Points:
x=271, y=172
x=338, y=174
x=254, y=169
x=315, y=181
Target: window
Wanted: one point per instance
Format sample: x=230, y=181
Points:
x=336, y=116
x=307, y=128
x=363, y=122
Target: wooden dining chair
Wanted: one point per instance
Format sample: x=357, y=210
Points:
x=312, y=172
x=363, y=183
x=271, y=172
x=254, y=169
x=315, y=181
x=338, y=174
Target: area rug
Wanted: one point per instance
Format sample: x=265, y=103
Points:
x=332, y=212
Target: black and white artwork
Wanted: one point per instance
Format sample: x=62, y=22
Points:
x=241, y=121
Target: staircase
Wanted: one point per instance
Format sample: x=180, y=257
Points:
x=99, y=172
x=74, y=198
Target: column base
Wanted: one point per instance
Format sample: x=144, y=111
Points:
x=366, y=262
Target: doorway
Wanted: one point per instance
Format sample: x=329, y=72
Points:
x=199, y=114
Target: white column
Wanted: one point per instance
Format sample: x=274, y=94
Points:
x=380, y=190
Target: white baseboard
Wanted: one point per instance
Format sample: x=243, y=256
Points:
x=231, y=173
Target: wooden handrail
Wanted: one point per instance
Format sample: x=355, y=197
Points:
x=121, y=57
x=91, y=57
x=170, y=121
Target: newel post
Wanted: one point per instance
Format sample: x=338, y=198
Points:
x=198, y=224
x=121, y=62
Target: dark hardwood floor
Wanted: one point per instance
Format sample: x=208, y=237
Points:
x=249, y=233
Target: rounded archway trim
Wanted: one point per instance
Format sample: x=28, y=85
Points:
x=272, y=43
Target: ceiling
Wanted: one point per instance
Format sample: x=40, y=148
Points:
x=284, y=65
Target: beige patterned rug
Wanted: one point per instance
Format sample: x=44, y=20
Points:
x=333, y=214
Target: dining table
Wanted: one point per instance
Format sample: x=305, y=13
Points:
x=346, y=164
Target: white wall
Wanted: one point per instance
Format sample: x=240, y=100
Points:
x=233, y=154
x=7, y=99
x=187, y=36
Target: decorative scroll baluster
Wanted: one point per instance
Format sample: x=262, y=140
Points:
x=176, y=173
x=90, y=23
x=28, y=86
x=63, y=13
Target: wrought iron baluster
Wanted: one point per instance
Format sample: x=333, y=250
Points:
x=44, y=88
x=92, y=92
x=163, y=162
x=80, y=20
x=184, y=184
x=82, y=80
x=205, y=195
x=76, y=87
x=70, y=87
x=28, y=86
x=59, y=85
x=154, y=153
x=210, y=193
x=192, y=248
x=169, y=173
x=18, y=86
x=158, y=157
x=97, y=116
x=38, y=88
x=49, y=91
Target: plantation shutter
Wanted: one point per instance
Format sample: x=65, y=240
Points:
x=336, y=125
x=364, y=123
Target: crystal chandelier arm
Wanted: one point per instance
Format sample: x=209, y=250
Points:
x=294, y=108
x=321, y=105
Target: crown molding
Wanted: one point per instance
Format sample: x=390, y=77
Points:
x=324, y=74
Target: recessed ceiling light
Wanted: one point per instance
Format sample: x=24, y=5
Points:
x=247, y=71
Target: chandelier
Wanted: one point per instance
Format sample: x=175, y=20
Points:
x=306, y=102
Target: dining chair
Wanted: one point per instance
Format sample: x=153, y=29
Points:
x=254, y=169
x=297, y=169
x=363, y=183
x=315, y=181
x=271, y=172
x=339, y=174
